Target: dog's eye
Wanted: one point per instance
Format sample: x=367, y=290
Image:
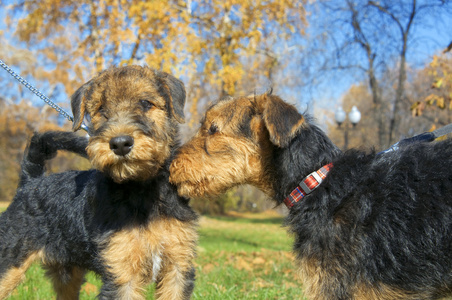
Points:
x=146, y=105
x=102, y=112
x=213, y=129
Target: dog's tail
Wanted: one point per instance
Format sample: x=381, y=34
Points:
x=44, y=146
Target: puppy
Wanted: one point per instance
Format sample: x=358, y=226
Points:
x=122, y=220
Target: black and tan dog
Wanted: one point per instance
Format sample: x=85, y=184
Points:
x=123, y=220
x=378, y=226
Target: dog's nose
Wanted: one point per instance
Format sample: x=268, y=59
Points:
x=121, y=145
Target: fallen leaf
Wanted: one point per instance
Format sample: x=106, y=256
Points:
x=208, y=268
x=241, y=264
x=89, y=288
x=258, y=261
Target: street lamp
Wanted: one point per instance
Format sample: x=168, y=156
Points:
x=354, y=116
x=340, y=116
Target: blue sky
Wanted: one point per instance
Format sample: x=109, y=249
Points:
x=429, y=38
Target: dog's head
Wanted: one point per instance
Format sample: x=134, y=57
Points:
x=132, y=114
x=234, y=145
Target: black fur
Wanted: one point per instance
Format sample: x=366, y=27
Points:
x=44, y=147
x=376, y=219
x=70, y=214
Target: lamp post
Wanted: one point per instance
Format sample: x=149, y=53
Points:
x=354, y=117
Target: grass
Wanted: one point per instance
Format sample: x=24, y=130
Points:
x=241, y=256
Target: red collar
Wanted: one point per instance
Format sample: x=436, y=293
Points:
x=307, y=185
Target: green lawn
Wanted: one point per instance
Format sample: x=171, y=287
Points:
x=239, y=257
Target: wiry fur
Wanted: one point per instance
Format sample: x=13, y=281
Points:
x=378, y=227
x=122, y=220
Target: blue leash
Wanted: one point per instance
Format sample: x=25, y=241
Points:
x=35, y=91
x=423, y=137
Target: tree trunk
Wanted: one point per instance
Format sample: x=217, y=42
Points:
x=377, y=104
x=395, y=119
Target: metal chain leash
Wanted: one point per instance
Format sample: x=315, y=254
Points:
x=35, y=91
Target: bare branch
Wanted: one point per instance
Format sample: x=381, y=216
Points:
x=448, y=48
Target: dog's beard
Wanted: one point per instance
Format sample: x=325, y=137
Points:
x=126, y=170
x=143, y=162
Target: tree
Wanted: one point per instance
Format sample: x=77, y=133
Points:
x=203, y=42
x=417, y=88
x=404, y=16
x=217, y=47
x=17, y=124
x=364, y=133
x=373, y=38
x=439, y=72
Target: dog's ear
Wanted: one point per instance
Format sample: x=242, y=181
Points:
x=281, y=119
x=175, y=90
x=78, y=105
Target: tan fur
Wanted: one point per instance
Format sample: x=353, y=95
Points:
x=383, y=292
x=316, y=281
x=207, y=180
x=143, y=162
x=111, y=105
x=195, y=168
x=131, y=253
x=312, y=277
x=272, y=108
x=179, y=255
x=69, y=290
x=16, y=274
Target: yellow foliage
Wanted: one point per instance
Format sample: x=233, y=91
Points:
x=17, y=124
x=210, y=38
x=441, y=70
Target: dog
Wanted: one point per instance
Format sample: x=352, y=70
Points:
x=123, y=219
x=366, y=226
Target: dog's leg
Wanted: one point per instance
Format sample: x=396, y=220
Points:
x=11, y=276
x=175, y=283
x=18, y=249
x=177, y=276
x=129, y=267
x=130, y=290
x=175, y=280
x=163, y=251
x=66, y=281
